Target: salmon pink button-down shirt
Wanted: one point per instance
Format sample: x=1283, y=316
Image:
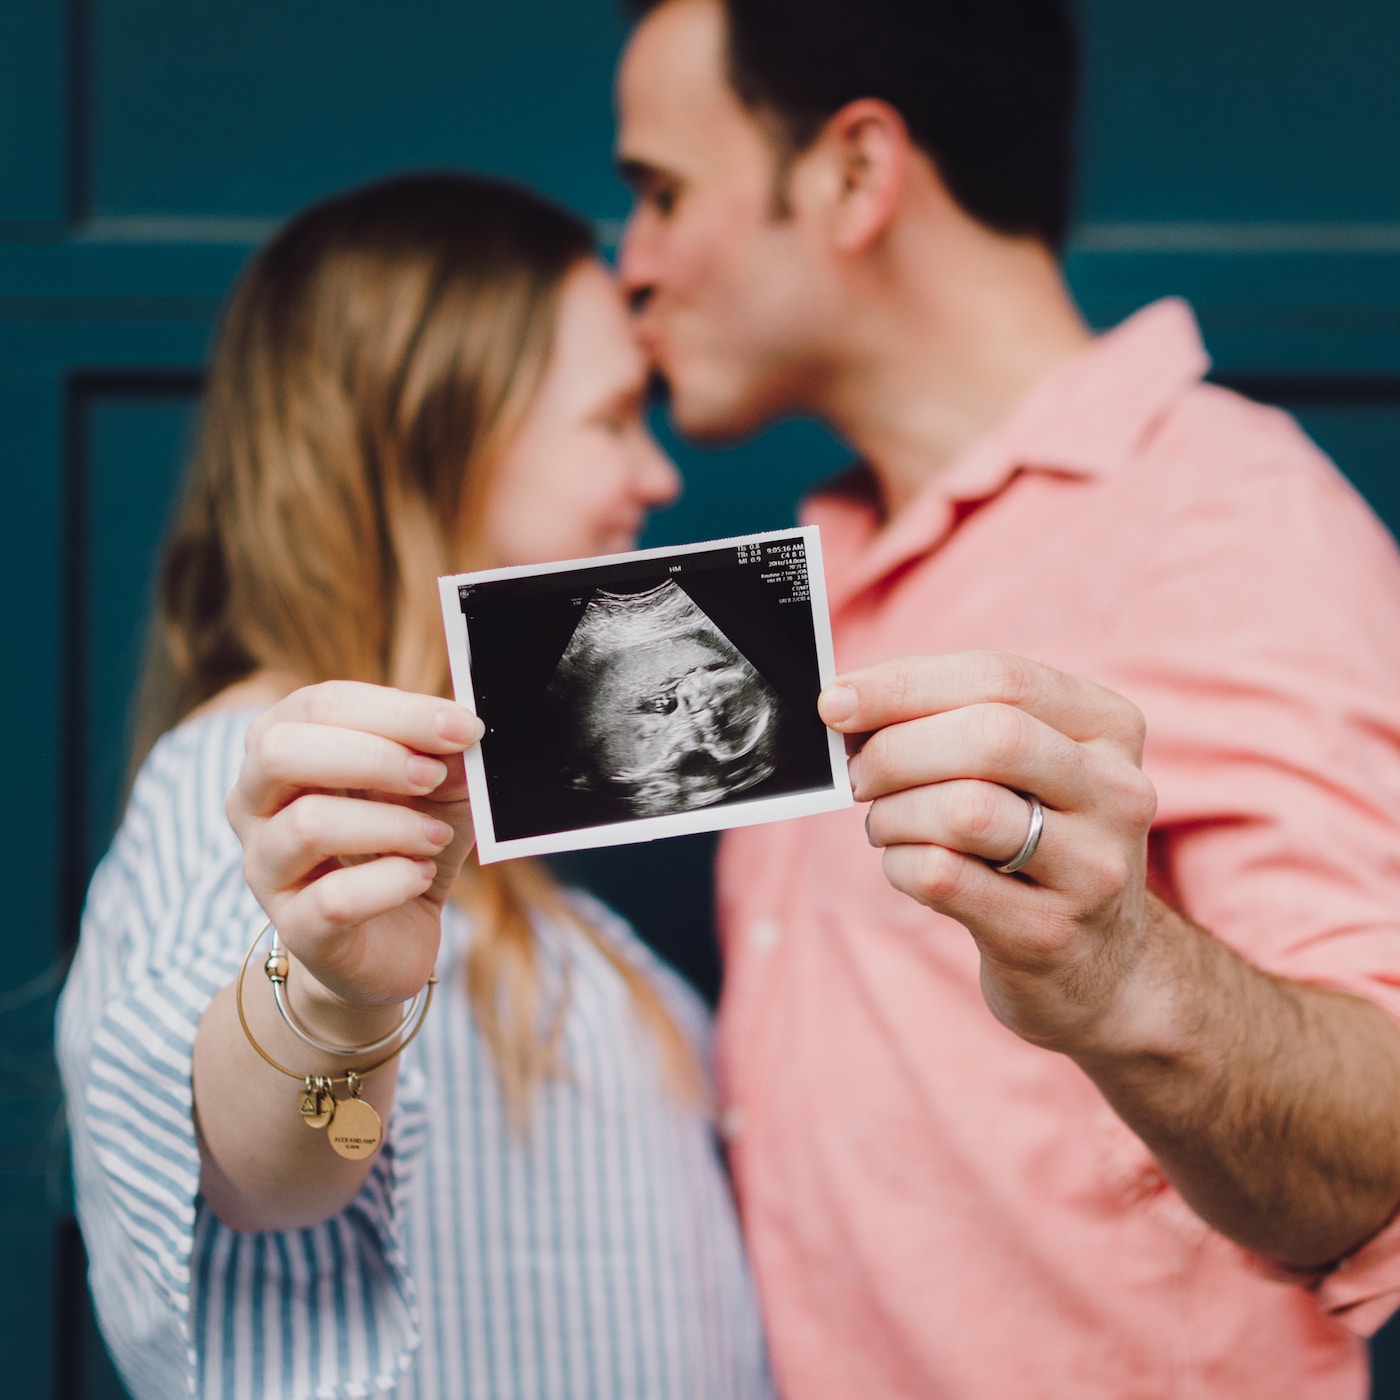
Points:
x=934, y=1207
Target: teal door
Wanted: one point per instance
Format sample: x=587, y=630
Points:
x=1241, y=154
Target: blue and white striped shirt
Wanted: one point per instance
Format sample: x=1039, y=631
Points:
x=599, y=1256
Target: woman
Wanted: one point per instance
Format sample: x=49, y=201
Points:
x=418, y=377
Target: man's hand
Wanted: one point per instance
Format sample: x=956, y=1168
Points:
x=1294, y=1156
x=953, y=741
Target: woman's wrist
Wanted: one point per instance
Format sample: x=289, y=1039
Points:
x=327, y=1016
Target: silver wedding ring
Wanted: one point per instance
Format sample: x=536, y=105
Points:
x=1032, y=836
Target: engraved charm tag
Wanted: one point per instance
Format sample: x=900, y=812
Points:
x=356, y=1130
x=316, y=1104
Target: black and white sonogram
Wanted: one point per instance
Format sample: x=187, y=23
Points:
x=661, y=711
x=646, y=694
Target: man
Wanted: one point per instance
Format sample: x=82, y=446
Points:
x=1074, y=1072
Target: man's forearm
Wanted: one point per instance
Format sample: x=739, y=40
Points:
x=1270, y=1105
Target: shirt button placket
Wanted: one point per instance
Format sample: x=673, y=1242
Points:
x=764, y=934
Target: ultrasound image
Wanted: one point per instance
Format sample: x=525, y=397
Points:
x=642, y=696
x=662, y=712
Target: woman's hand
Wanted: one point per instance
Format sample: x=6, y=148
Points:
x=352, y=809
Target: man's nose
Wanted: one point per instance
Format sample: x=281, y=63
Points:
x=633, y=267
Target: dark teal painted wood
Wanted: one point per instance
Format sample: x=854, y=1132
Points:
x=30, y=1255
x=31, y=505
x=135, y=437
x=1364, y=437
x=1242, y=155
x=273, y=104
x=34, y=114
x=29, y=519
x=1243, y=110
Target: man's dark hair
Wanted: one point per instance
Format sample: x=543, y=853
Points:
x=987, y=88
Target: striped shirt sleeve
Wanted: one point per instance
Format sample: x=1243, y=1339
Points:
x=187, y=1306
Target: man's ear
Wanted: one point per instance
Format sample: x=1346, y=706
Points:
x=862, y=155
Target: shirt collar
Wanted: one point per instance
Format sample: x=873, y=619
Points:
x=1084, y=419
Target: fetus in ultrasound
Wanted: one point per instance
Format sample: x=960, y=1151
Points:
x=664, y=713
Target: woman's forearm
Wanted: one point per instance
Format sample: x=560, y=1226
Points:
x=262, y=1166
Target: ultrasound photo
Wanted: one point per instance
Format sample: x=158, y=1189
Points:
x=660, y=711
x=647, y=694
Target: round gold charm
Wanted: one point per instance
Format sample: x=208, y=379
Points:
x=355, y=1131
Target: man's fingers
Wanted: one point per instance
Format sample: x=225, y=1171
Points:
x=988, y=743
x=957, y=884
x=897, y=691
x=979, y=819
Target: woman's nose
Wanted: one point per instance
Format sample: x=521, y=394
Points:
x=658, y=480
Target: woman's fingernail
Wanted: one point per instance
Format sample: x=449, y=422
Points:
x=837, y=703
x=427, y=869
x=426, y=773
x=458, y=725
x=853, y=769
x=438, y=833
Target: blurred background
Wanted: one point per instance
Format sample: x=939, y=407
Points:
x=1242, y=153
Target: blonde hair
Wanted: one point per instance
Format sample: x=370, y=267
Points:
x=369, y=366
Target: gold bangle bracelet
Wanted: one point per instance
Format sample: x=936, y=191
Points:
x=354, y=1128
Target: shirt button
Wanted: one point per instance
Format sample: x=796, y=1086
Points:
x=731, y=1123
x=764, y=935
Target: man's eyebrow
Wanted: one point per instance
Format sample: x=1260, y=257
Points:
x=639, y=173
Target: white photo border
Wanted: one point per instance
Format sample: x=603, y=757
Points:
x=734, y=813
